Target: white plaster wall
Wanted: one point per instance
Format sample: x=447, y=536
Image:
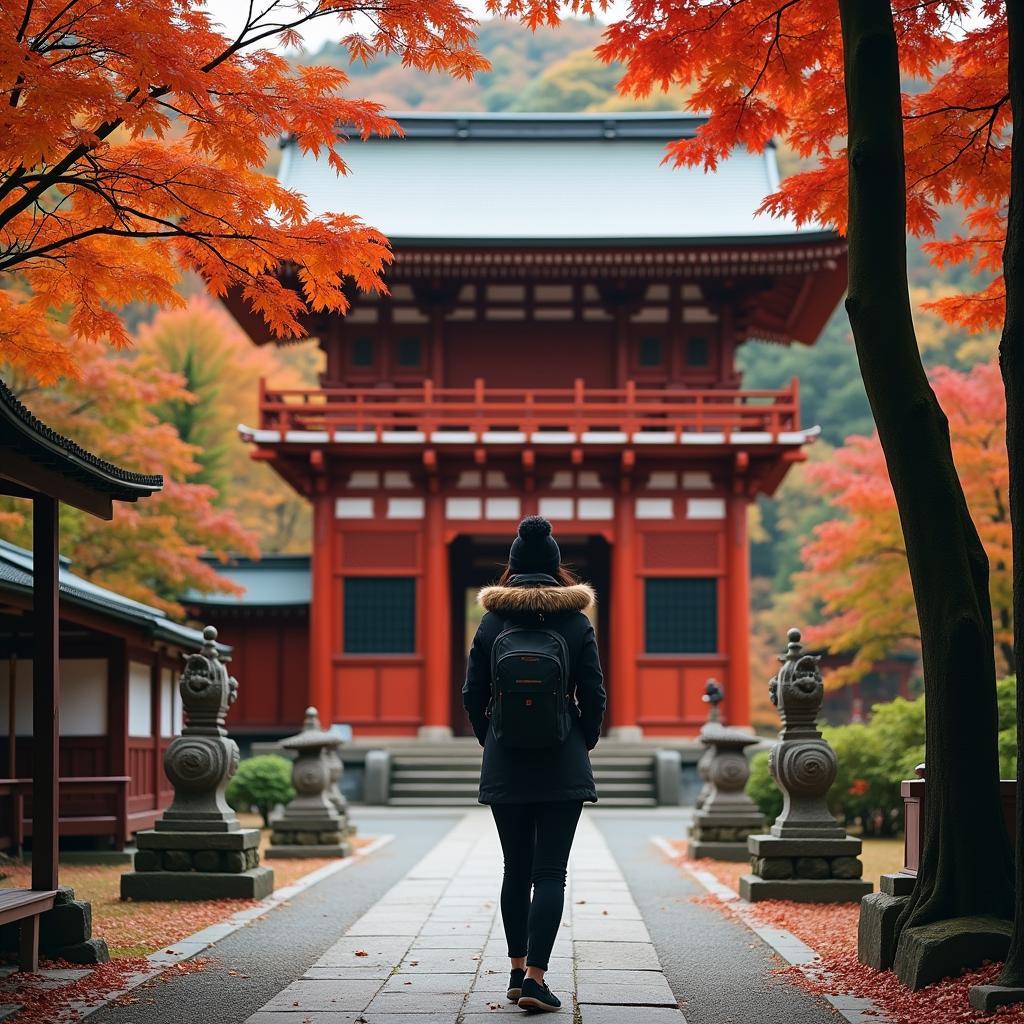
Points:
x=167, y=697
x=140, y=700
x=83, y=697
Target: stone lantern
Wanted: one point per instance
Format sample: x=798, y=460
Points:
x=713, y=696
x=807, y=855
x=726, y=816
x=198, y=849
x=337, y=769
x=310, y=826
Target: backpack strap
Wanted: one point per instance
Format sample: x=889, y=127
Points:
x=502, y=625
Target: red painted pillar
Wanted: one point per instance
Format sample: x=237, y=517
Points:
x=622, y=683
x=737, y=623
x=436, y=626
x=324, y=610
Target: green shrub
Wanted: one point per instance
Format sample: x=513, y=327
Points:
x=261, y=783
x=874, y=758
x=762, y=789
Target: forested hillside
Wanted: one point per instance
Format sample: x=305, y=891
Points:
x=530, y=71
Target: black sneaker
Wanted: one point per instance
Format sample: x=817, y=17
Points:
x=515, y=984
x=538, y=997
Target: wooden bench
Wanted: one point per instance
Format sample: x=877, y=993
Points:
x=26, y=906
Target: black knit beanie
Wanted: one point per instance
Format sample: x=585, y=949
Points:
x=534, y=549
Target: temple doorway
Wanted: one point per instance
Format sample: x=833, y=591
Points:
x=476, y=561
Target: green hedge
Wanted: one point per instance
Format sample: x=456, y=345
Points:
x=875, y=757
x=260, y=784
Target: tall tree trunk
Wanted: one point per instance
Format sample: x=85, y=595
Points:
x=966, y=865
x=1011, y=364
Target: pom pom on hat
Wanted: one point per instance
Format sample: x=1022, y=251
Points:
x=534, y=526
x=534, y=549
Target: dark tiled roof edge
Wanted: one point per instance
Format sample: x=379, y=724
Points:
x=12, y=409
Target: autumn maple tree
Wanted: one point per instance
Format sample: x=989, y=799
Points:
x=854, y=574
x=221, y=370
x=151, y=551
x=132, y=142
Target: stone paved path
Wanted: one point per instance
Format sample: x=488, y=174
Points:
x=434, y=945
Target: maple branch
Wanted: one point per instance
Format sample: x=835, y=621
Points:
x=775, y=43
x=20, y=35
x=987, y=126
x=104, y=130
x=949, y=108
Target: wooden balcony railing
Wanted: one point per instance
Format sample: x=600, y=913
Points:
x=582, y=411
x=16, y=819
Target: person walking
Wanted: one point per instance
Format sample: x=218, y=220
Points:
x=534, y=694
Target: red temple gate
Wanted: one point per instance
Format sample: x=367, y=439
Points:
x=542, y=359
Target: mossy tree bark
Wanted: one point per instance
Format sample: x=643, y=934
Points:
x=966, y=866
x=1011, y=364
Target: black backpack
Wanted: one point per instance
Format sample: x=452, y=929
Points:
x=529, y=687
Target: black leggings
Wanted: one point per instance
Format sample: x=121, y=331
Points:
x=535, y=840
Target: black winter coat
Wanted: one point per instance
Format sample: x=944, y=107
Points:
x=512, y=776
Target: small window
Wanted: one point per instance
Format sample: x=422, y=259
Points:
x=380, y=615
x=650, y=350
x=681, y=616
x=410, y=351
x=697, y=352
x=362, y=351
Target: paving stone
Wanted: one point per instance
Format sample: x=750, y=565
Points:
x=639, y=956
x=425, y=1002
x=325, y=995
x=611, y=930
x=301, y=1017
x=599, y=976
x=474, y=942
x=507, y=1012
x=386, y=927
x=379, y=950
x=445, y=961
x=318, y=973
x=462, y=914
x=456, y=928
x=653, y=992
x=414, y=984
x=372, y=1017
x=590, y=1014
x=64, y=975
x=850, y=1003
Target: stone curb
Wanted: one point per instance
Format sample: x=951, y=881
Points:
x=852, y=1009
x=198, y=942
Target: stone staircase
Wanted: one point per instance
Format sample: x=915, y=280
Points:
x=448, y=775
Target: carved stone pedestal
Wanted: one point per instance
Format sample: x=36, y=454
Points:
x=310, y=826
x=198, y=850
x=805, y=870
x=807, y=856
x=727, y=817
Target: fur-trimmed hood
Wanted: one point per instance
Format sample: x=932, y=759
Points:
x=550, y=600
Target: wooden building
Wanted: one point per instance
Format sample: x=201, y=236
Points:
x=559, y=337
x=119, y=704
